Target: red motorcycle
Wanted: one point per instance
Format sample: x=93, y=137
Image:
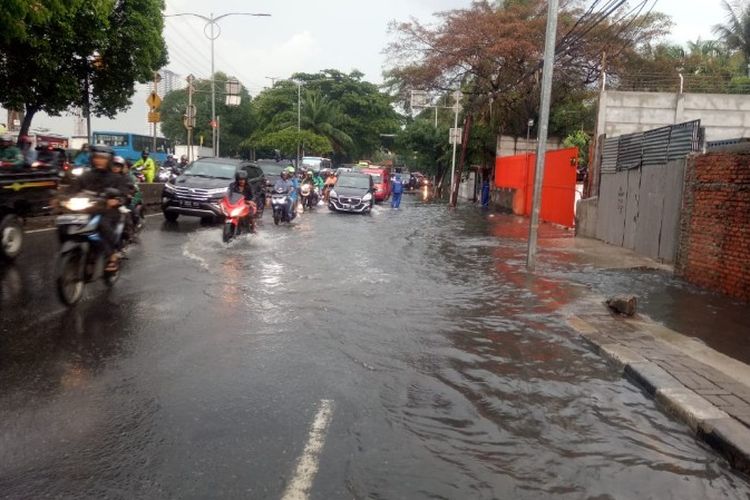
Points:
x=238, y=215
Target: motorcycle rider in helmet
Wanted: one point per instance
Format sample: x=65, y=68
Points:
x=131, y=191
x=101, y=180
x=241, y=186
x=286, y=185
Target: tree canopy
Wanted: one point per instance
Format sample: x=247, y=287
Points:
x=348, y=111
x=58, y=45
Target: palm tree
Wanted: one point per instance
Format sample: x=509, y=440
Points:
x=735, y=32
x=323, y=117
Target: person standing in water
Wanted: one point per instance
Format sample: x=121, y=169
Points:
x=396, y=191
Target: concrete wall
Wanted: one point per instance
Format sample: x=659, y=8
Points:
x=586, y=217
x=502, y=199
x=511, y=146
x=714, y=246
x=639, y=209
x=725, y=116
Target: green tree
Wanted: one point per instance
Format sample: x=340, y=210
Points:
x=581, y=140
x=237, y=122
x=735, y=32
x=424, y=147
x=286, y=141
x=323, y=117
x=355, y=107
x=111, y=44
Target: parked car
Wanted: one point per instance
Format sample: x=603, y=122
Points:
x=198, y=191
x=353, y=192
x=382, y=181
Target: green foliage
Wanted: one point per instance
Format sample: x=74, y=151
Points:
x=735, y=32
x=237, y=122
x=348, y=111
x=423, y=147
x=47, y=60
x=287, y=139
x=581, y=140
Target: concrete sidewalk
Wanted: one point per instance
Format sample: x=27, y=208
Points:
x=707, y=389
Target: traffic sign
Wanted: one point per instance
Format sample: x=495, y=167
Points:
x=154, y=117
x=153, y=100
x=456, y=135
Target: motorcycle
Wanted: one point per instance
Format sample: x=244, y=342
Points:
x=237, y=213
x=280, y=205
x=309, y=196
x=82, y=258
x=165, y=174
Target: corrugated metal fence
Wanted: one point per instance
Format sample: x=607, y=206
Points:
x=640, y=194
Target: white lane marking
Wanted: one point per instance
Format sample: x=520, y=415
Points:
x=307, y=466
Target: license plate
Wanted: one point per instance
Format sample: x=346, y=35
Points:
x=346, y=205
x=65, y=220
x=190, y=204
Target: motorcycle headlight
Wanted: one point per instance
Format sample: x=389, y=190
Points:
x=367, y=197
x=77, y=171
x=236, y=212
x=78, y=204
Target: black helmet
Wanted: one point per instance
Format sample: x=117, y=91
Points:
x=101, y=150
x=240, y=175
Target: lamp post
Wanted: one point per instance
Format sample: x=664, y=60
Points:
x=212, y=30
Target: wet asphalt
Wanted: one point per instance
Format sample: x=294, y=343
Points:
x=449, y=370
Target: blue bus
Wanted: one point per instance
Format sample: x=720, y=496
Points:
x=130, y=146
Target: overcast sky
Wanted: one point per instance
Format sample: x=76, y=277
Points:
x=310, y=36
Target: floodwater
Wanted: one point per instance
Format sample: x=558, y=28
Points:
x=449, y=367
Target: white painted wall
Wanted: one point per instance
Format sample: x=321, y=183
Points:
x=725, y=116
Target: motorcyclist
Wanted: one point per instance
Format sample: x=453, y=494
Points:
x=285, y=184
x=27, y=150
x=83, y=158
x=101, y=180
x=10, y=155
x=182, y=165
x=294, y=194
x=240, y=185
x=147, y=165
x=128, y=188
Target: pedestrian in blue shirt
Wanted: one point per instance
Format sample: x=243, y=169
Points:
x=397, y=191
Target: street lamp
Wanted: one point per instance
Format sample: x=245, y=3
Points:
x=212, y=30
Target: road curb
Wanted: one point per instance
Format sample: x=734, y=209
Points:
x=725, y=435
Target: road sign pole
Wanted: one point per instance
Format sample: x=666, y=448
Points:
x=541, y=148
x=190, y=117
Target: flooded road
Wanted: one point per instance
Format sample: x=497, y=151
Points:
x=448, y=370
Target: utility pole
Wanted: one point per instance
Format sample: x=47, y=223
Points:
x=299, y=122
x=218, y=135
x=190, y=118
x=541, y=149
x=212, y=30
x=273, y=80
x=455, y=137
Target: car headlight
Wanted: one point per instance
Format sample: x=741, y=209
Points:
x=367, y=197
x=169, y=187
x=333, y=194
x=78, y=204
x=77, y=171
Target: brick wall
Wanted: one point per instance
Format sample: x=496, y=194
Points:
x=714, y=250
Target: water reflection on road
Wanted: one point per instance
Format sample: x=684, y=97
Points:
x=451, y=369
